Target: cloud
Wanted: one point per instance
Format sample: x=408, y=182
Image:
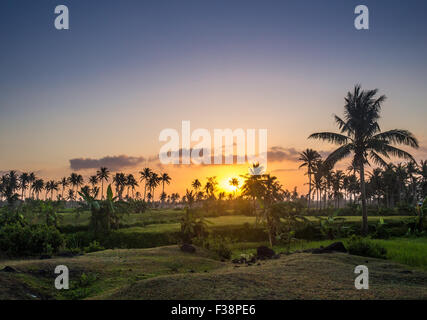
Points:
x=111, y=162
x=278, y=153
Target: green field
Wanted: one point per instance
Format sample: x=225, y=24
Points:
x=168, y=219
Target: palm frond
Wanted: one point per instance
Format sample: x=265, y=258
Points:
x=399, y=153
x=339, y=154
x=398, y=136
x=331, y=137
x=377, y=159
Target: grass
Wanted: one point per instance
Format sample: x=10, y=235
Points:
x=109, y=270
x=172, y=217
x=168, y=273
x=408, y=251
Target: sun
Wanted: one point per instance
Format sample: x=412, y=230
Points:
x=225, y=185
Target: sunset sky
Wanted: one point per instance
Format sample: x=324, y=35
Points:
x=128, y=69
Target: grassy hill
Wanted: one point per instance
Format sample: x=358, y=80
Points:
x=168, y=273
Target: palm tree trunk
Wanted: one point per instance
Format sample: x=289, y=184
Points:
x=309, y=189
x=363, y=194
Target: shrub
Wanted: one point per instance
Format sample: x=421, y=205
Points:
x=93, y=247
x=365, y=247
x=17, y=239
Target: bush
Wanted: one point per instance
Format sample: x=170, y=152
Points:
x=93, y=247
x=365, y=247
x=219, y=245
x=17, y=239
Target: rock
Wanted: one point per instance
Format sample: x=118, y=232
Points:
x=264, y=252
x=337, y=247
x=8, y=269
x=333, y=247
x=188, y=248
x=276, y=256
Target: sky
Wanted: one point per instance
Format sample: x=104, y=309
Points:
x=125, y=70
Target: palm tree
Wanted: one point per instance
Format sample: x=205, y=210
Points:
x=71, y=196
x=153, y=183
x=165, y=178
x=23, y=182
x=234, y=182
x=131, y=183
x=309, y=157
x=119, y=181
x=31, y=178
x=412, y=170
x=360, y=134
x=103, y=175
x=73, y=180
x=196, y=185
x=64, y=183
x=37, y=187
x=145, y=176
x=93, y=180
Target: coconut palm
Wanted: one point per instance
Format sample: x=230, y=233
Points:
x=37, y=187
x=165, y=178
x=31, y=178
x=119, y=181
x=153, y=183
x=361, y=135
x=23, y=183
x=145, y=176
x=309, y=157
x=76, y=180
x=412, y=171
x=71, y=196
x=103, y=175
x=196, y=185
x=64, y=183
x=234, y=182
x=131, y=183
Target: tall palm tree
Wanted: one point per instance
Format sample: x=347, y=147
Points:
x=309, y=157
x=412, y=170
x=23, y=183
x=131, y=183
x=64, y=183
x=37, y=187
x=93, y=180
x=103, y=175
x=31, y=178
x=153, y=183
x=361, y=135
x=165, y=178
x=145, y=176
x=119, y=181
x=234, y=182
